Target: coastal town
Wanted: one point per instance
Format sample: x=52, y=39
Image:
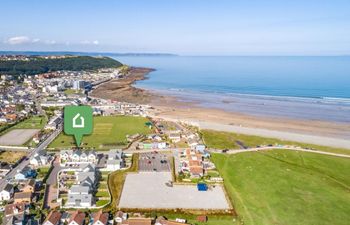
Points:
x=47, y=180
x=135, y=168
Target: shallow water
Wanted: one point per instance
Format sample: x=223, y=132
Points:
x=316, y=88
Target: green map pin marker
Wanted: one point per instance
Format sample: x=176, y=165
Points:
x=78, y=121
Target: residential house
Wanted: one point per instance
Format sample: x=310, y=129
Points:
x=28, y=186
x=6, y=193
x=77, y=218
x=65, y=154
x=79, y=196
x=192, y=143
x=14, y=214
x=25, y=174
x=78, y=156
x=79, y=190
x=40, y=159
x=37, y=137
x=175, y=137
x=120, y=216
x=21, y=175
x=65, y=218
x=100, y=218
x=53, y=123
x=162, y=221
x=25, y=197
x=86, y=178
x=200, y=148
x=53, y=218
x=115, y=160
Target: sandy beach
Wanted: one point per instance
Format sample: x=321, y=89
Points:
x=319, y=132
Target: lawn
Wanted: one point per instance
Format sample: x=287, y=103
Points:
x=287, y=187
x=108, y=132
x=101, y=202
x=11, y=156
x=43, y=172
x=228, y=140
x=34, y=122
x=72, y=91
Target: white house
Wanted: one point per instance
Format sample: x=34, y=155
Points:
x=78, y=156
x=175, y=137
x=65, y=154
x=162, y=145
x=115, y=160
x=20, y=176
x=6, y=193
x=40, y=159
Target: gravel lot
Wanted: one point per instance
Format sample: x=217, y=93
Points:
x=17, y=136
x=148, y=190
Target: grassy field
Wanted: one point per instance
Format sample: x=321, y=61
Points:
x=11, y=156
x=223, y=140
x=72, y=91
x=108, y=132
x=34, y=122
x=285, y=187
x=116, y=181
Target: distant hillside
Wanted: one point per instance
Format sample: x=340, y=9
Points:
x=41, y=65
x=108, y=54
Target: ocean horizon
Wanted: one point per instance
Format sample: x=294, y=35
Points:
x=304, y=87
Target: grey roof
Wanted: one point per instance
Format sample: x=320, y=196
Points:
x=115, y=154
x=8, y=187
x=113, y=161
x=76, y=200
x=75, y=189
x=88, y=167
x=89, y=176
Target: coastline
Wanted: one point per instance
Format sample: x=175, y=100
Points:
x=123, y=89
x=333, y=134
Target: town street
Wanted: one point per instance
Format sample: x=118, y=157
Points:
x=25, y=162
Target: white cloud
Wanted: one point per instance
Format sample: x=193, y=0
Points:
x=86, y=42
x=35, y=40
x=18, y=40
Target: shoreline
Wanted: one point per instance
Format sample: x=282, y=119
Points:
x=333, y=134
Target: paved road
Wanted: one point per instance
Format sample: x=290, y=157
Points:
x=30, y=155
x=236, y=151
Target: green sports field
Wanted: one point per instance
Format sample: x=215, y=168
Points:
x=108, y=131
x=287, y=187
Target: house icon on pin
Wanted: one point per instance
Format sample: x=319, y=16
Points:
x=76, y=124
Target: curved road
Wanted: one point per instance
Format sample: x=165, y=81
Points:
x=236, y=151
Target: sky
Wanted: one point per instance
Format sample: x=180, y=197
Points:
x=185, y=27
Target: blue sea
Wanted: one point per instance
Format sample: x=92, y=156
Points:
x=315, y=88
